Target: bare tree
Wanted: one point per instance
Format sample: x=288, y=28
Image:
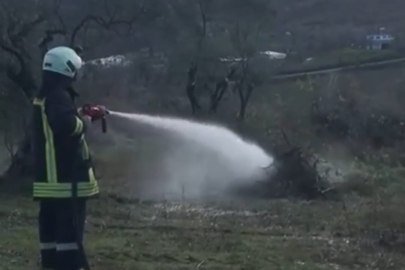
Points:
x=201, y=27
x=19, y=30
x=221, y=88
x=95, y=17
x=244, y=86
x=248, y=20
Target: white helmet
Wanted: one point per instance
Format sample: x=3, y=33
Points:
x=62, y=60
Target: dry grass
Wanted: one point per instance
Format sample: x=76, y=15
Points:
x=365, y=233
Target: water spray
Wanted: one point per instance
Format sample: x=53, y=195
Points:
x=241, y=158
x=202, y=152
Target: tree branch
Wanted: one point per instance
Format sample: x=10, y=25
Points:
x=27, y=28
x=59, y=17
x=203, y=23
x=14, y=53
x=7, y=137
x=48, y=38
x=106, y=24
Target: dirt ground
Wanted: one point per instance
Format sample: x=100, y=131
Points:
x=128, y=234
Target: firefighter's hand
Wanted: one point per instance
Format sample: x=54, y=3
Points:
x=86, y=119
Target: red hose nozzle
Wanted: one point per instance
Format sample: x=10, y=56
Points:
x=96, y=112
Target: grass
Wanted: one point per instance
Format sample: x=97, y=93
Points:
x=126, y=234
x=364, y=231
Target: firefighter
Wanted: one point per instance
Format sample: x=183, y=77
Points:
x=61, y=157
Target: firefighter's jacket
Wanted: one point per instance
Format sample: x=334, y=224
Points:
x=61, y=152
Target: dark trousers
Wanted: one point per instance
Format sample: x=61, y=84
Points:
x=59, y=231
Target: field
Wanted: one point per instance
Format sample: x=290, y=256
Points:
x=363, y=230
x=128, y=234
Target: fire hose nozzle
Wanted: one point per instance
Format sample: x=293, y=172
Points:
x=96, y=112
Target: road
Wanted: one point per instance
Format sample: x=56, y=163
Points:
x=331, y=70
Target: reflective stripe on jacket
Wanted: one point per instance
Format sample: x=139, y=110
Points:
x=60, y=148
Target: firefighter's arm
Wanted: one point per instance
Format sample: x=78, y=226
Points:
x=62, y=116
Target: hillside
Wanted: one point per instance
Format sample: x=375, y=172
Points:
x=338, y=21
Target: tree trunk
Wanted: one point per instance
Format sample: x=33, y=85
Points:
x=22, y=161
x=190, y=88
x=22, y=164
x=244, y=99
x=217, y=95
x=220, y=89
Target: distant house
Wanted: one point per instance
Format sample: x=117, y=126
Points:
x=379, y=41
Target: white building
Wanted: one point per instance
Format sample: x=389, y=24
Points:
x=379, y=41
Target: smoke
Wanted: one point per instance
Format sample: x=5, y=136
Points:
x=200, y=160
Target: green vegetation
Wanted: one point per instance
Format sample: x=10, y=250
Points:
x=362, y=55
